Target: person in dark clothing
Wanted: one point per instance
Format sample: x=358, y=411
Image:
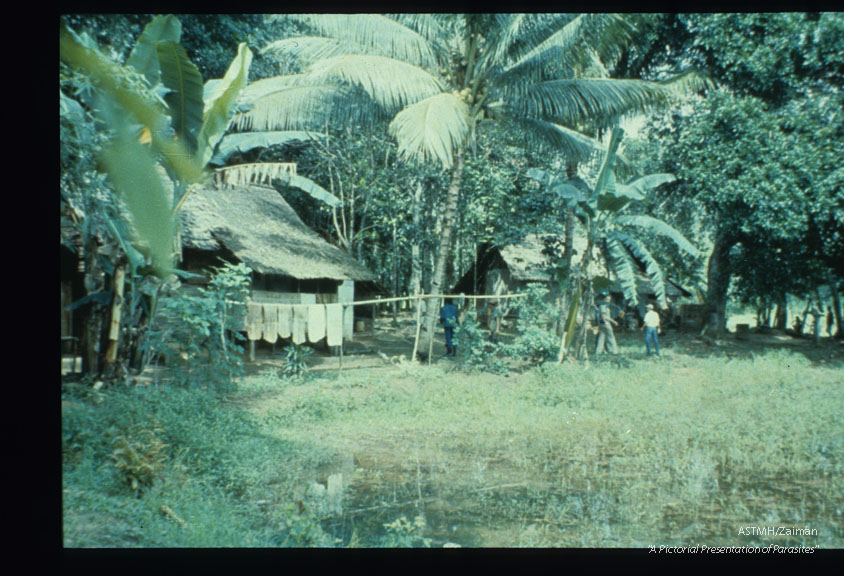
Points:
x=448, y=318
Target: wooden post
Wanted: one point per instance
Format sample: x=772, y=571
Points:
x=116, y=306
x=418, y=329
x=433, y=330
x=251, y=350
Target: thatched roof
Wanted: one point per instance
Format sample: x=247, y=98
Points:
x=528, y=261
x=263, y=231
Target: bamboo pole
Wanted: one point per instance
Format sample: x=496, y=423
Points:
x=116, y=306
x=418, y=330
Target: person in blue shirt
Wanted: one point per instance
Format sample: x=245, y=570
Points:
x=448, y=318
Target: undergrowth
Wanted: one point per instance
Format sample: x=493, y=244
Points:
x=681, y=451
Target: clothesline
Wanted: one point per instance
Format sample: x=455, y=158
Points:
x=415, y=297
x=429, y=296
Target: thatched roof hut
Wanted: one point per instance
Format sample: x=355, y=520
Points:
x=509, y=268
x=260, y=229
x=512, y=266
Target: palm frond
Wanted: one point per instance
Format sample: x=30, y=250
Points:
x=306, y=107
x=568, y=45
x=622, y=264
x=433, y=129
x=569, y=101
x=245, y=141
x=308, y=49
x=652, y=267
x=559, y=139
x=430, y=27
x=262, y=173
x=379, y=34
x=689, y=82
x=659, y=227
x=266, y=173
x=393, y=84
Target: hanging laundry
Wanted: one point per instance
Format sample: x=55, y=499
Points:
x=270, y=322
x=254, y=320
x=285, y=320
x=334, y=324
x=300, y=323
x=316, y=322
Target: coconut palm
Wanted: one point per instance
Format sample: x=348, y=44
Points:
x=439, y=77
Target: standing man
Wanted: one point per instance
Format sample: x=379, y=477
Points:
x=448, y=318
x=606, y=337
x=652, y=328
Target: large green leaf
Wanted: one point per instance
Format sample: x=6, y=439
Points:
x=112, y=79
x=606, y=175
x=660, y=227
x=312, y=188
x=184, y=99
x=135, y=177
x=645, y=184
x=433, y=129
x=144, y=56
x=245, y=141
x=652, y=267
x=623, y=266
x=222, y=105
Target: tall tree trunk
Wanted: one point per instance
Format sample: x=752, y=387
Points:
x=568, y=243
x=718, y=280
x=448, y=218
x=781, y=321
x=587, y=303
x=415, y=256
x=836, y=303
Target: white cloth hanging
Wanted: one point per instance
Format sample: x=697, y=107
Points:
x=316, y=322
x=334, y=324
x=254, y=320
x=285, y=320
x=270, y=322
x=300, y=323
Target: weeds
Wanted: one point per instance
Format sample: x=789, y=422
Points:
x=139, y=458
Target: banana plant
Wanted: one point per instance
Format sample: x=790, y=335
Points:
x=603, y=212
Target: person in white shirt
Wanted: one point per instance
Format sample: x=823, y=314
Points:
x=652, y=329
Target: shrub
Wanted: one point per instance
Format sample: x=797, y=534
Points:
x=198, y=334
x=402, y=533
x=479, y=352
x=295, y=361
x=139, y=457
x=536, y=342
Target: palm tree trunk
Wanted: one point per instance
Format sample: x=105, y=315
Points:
x=415, y=256
x=448, y=219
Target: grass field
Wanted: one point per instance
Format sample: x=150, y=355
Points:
x=688, y=449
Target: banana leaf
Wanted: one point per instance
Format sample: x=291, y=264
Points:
x=184, y=82
x=245, y=141
x=144, y=56
x=221, y=108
